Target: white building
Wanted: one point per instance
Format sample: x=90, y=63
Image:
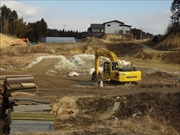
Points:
x=116, y=27
x=111, y=27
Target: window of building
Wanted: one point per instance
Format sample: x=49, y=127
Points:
x=109, y=25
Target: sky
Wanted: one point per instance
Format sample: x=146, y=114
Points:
x=151, y=16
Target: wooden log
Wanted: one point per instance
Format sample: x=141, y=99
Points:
x=20, y=80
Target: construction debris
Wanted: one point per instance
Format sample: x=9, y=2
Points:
x=22, y=110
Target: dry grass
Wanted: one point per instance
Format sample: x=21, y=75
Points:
x=22, y=50
x=171, y=42
x=92, y=122
x=20, y=56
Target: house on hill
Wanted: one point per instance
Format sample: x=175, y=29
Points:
x=110, y=27
x=96, y=30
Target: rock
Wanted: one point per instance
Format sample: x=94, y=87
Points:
x=71, y=74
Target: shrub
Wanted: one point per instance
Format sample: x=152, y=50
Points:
x=155, y=39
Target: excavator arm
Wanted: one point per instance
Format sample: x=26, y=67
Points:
x=105, y=53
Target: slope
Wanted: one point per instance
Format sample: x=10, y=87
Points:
x=6, y=41
x=170, y=43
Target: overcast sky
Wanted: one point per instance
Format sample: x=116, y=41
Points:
x=152, y=16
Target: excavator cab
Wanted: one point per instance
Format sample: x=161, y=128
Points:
x=110, y=69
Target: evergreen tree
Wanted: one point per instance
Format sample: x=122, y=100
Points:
x=21, y=28
x=175, y=9
x=8, y=19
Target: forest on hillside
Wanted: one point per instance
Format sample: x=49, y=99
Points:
x=12, y=25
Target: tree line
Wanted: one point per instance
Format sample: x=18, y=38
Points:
x=12, y=25
x=175, y=17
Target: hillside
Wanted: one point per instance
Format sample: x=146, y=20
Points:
x=170, y=43
x=7, y=40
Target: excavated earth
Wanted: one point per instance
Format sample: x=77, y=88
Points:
x=152, y=107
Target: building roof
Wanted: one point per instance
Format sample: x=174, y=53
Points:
x=97, y=26
x=102, y=25
x=118, y=22
x=114, y=21
x=126, y=25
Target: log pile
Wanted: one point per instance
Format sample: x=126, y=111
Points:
x=23, y=110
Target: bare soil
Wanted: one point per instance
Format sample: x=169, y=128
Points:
x=7, y=41
x=150, y=107
x=170, y=42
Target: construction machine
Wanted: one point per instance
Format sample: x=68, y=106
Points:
x=112, y=70
x=23, y=39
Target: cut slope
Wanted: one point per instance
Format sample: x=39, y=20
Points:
x=7, y=40
x=170, y=43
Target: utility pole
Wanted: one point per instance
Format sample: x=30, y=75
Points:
x=141, y=30
x=64, y=27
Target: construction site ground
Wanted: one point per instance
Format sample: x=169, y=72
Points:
x=150, y=107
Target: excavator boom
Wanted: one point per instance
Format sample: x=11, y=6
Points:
x=105, y=53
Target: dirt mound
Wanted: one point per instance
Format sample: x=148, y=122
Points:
x=125, y=49
x=93, y=41
x=76, y=51
x=7, y=40
x=171, y=42
x=115, y=38
x=168, y=57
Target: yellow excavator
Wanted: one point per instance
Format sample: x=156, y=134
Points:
x=112, y=70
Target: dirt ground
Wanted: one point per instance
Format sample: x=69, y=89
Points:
x=150, y=107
